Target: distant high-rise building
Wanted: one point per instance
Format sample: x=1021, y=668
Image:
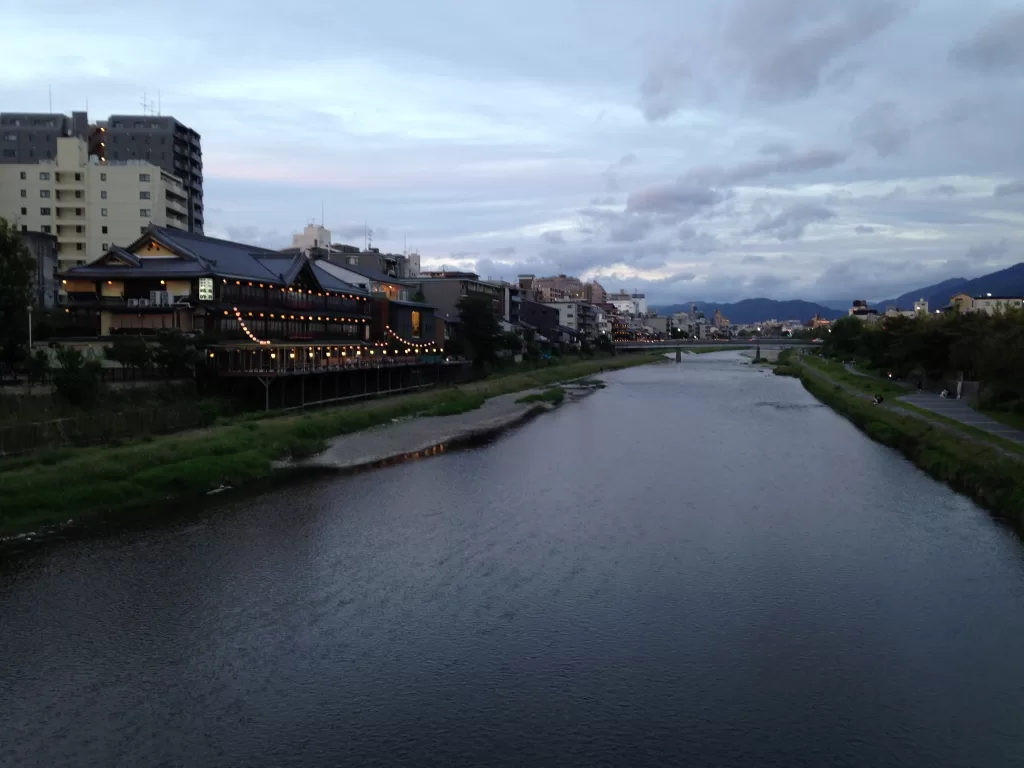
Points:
x=157, y=139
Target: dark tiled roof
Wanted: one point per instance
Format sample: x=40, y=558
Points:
x=371, y=274
x=413, y=304
x=331, y=283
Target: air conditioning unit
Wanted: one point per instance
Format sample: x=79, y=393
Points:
x=133, y=303
x=143, y=302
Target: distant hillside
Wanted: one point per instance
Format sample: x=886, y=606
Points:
x=756, y=310
x=1005, y=282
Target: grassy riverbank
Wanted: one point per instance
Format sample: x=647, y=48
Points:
x=79, y=483
x=977, y=468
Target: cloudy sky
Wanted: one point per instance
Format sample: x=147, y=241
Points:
x=695, y=149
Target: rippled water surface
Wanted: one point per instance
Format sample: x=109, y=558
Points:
x=697, y=566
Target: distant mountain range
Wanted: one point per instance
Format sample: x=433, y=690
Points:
x=1006, y=282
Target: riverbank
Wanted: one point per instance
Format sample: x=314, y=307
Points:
x=989, y=473
x=77, y=485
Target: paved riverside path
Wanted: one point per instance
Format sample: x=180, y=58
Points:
x=960, y=411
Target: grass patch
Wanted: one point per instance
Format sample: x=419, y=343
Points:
x=177, y=469
x=992, y=479
x=1010, y=419
x=868, y=385
x=1002, y=442
x=554, y=395
x=454, y=401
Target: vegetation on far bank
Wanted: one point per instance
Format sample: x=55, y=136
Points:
x=83, y=482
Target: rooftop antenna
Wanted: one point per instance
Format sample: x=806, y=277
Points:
x=321, y=213
x=369, y=238
x=405, y=248
x=364, y=234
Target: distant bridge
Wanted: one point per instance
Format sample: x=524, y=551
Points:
x=683, y=345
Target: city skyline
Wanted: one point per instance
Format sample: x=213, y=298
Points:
x=687, y=150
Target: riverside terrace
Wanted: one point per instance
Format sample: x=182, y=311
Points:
x=263, y=315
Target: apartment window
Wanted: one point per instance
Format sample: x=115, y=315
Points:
x=104, y=230
x=79, y=246
x=145, y=212
x=105, y=246
x=80, y=262
x=44, y=193
x=79, y=211
x=24, y=193
x=144, y=177
x=143, y=195
x=79, y=229
x=24, y=227
x=78, y=194
x=138, y=123
x=103, y=211
x=142, y=230
x=24, y=175
x=44, y=175
x=78, y=177
x=416, y=324
x=103, y=177
x=8, y=153
x=103, y=194
x=10, y=137
x=45, y=228
x=24, y=211
x=44, y=211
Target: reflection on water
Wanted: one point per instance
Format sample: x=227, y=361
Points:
x=694, y=566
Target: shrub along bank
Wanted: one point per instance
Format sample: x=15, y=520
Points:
x=81, y=483
x=992, y=479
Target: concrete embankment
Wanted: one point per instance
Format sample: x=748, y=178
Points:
x=419, y=436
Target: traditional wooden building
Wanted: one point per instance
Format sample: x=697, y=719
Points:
x=258, y=312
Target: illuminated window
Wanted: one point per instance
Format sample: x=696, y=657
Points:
x=415, y=325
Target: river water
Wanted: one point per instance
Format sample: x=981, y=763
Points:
x=698, y=565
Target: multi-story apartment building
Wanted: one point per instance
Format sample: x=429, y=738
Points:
x=444, y=290
x=89, y=206
x=27, y=137
x=163, y=141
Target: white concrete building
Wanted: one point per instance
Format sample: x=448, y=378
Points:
x=89, y=205
x=313, y=236
x=568, y=313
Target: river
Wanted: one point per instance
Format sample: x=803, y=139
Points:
x=698, y=565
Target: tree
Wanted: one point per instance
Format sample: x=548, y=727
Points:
x=37, y=366
x=129, y=351
x=176, y=353
x=17, y=273
x=76, y=380
x=480, y=329
x=418, y=296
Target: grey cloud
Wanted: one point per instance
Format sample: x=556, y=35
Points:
x=464, y=254
x=1010, y=188
x=996, y=46
x=776, y=148
x=988, y=251
x=629, y=158
x=945, y=189
x=790, y=43
x=864, y=229
x=602, y=201
x=553, y=237
x=803, y=162
x=664, y=90
x=256, y=236
x=674, y=198
x=791, y=223
x=897, y=193
x=505, y=252
x=630, y=229
x=753, y=260
x=882, y=127
x=698, y=242
x=358, y=231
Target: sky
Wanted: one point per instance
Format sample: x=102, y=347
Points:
x=691, y=149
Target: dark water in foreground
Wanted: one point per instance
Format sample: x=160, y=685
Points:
x=695, y=566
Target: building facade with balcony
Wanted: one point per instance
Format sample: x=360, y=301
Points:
x=445, y=291
x=89, y=206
